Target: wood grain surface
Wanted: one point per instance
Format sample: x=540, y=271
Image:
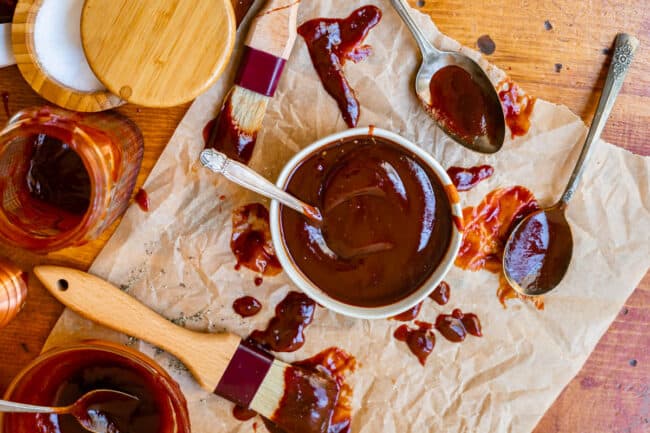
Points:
x=612, y=392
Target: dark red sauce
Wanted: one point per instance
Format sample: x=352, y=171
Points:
x=285, y=331
x=487, y=228
x=465, y=179
x=241, y=9
x=517, y=107
x=455, y=326
x=7, y=8
x=57, y=175
x=242, y=413
x=226, y=135
x=332, y=42
x=247, y=306
x=317, y=403
x=5, y=103
x=420, y=340
x=461, y=105
x=258, y=281
x=410, y=314
x=441, y=293
x=251, y=240
x=142, y=199
x=386, y=221
x=536, y=257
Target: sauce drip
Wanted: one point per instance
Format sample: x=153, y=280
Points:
x=536, y=257
x=224, y=134
x=465, y=179
x=7, y=8
x=420, y=340
x=386, y=221
x=461, y=106
x=57, y=175
x=441, y=293
x=285, y=331
x=246, y=306
x=487, y=227
x=243, y=414
x=331, y=43
x=410, y=314
x=142, y=199
x=455, y=326
x=334, y=364
x=517, y=107
x=251, y=240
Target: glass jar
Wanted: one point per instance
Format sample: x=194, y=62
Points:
x=65, y=177
x=58, y=377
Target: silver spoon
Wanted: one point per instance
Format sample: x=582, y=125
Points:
x=539, y=249
x=433, y=60
x=93, y=420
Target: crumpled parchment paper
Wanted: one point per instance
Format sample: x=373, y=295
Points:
x=176, y=258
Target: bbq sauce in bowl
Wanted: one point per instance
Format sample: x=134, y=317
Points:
x=387, y=222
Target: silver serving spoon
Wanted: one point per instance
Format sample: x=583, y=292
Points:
x=91, y=419
x=433, y=60
x=539, y=249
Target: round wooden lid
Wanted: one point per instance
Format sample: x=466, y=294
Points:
x=158, y=53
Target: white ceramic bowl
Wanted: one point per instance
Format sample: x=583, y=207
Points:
x=314, y=291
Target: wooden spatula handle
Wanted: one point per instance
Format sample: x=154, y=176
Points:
x=206, y=355
x=273, y=30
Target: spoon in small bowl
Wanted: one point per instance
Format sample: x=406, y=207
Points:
x=92, y=410
x=539, y=249
x=434, y=60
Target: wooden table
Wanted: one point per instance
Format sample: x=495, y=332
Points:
x=612, y=392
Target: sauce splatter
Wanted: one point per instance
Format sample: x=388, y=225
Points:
x=410, y=314
x=285, y=331
x=455, y=326
x=142, y=199
x=251, y=240
x=243, y=414
x=246, y=306
x=226, y=135
x=487, y=227
x=420, y=340
x=465, y=179
x=441, y=293
x=258, y=281
x=517, y=107
x=331, y=43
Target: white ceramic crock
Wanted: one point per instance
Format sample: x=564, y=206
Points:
x=322, y=297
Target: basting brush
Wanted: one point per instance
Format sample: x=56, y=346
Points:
x=296, y=400
x=267, y=47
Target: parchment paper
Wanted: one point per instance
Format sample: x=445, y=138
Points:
x=176, y=258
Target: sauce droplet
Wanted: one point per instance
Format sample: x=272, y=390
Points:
x=455, y=326
x=142, y=199
x=246, y=306
x=410, y=314
x=243, y=414
x=465, y=179
x=441, y=293
x=420, y=340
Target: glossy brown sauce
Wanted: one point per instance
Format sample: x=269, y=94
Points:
x=455, y=326
x=461, y=106
x=387, y=221
x=465, y=179
x=241, y=8
x=420, y=340
x=247, y=306
x=331, y=43
x=410, y=314
x=251, y=240
x=487, y=227
x=285, y=331
x=536, y=258
x=441, y=293
x=318, y=402
x=142, y=199
x=517, y=107
x=224, y=134
x=242, y=413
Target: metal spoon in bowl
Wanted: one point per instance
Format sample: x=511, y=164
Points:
x=86, y=410
x=538, y=251
x=433, y=60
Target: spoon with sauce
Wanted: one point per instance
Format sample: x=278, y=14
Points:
x=99, y=411
x=457, y=93
x=539, y=249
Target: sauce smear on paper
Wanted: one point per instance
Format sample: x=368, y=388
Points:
x=455, y=326
x=465, y=179
x=410, y=314
x=517, y=107
x=420, y=340
x=142, y=199
x=332, y=42
x=441, y=293
x=285, y=331
x=247, y=306
x=251, y=240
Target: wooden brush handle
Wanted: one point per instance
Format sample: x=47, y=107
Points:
x=273, y=30
x=206, y=355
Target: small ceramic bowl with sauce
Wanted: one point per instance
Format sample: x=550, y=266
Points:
x=62, y=375
x=391, y=225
